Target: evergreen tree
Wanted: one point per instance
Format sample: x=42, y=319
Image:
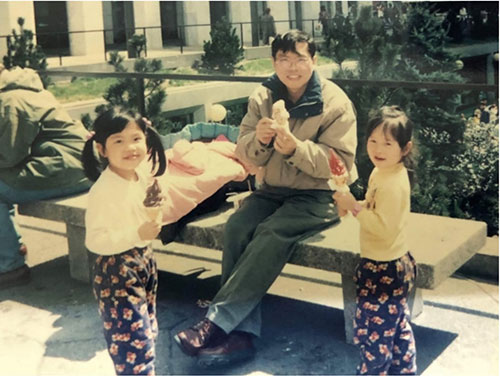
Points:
x=126, y=92
x=339, y=39
x=377, y=59
x=223, y=50
x=440, y=129
x=23, y=52
x=412, y=48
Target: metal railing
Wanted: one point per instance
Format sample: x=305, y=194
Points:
x=180, y=42
x=182, y=31
x=140, y=77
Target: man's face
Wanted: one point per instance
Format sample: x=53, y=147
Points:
x=295, y=69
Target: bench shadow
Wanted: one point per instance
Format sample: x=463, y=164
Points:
x=299, y=338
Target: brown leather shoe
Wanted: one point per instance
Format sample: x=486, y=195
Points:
x=238, y=347
x=19, y=276
x=204, y=333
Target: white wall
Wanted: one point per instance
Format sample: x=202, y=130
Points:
x=147, y=13
x=239, y=11
x=279, y=10
x=310, y=11
x=196, y=12
x=85, y=15
x=10, y=11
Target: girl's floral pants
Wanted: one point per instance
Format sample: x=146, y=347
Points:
x=382, y=329
x=125, y=287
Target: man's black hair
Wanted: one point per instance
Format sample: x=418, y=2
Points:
x=287, y=41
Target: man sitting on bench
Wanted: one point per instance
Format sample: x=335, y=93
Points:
x=293, y=202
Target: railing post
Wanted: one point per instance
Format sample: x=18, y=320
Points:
x=241, y=33
x=104, y=37
x=312, y=26
x=145, y=42
x=140, y=96
x=181, y=38
x=59, y=47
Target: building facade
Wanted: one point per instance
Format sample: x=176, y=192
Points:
x=80, y=28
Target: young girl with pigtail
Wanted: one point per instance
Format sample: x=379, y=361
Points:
x=119, y=230
x=386, y=272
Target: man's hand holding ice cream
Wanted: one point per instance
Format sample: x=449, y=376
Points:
x=285, y=142
x=152, y=205
x=264, y=131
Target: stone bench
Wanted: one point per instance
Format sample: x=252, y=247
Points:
x=440, y=245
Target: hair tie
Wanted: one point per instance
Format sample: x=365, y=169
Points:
x=90, y=135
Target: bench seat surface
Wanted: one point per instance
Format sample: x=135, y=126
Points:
x=439, y=244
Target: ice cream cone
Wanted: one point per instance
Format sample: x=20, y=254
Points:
x=339, y=177
x=280, y=116
x=153, y=201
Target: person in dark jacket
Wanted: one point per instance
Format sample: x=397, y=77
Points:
x=40, y=148
x=268, y=27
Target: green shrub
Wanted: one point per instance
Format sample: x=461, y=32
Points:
x=339, y=40
x=223, y=51
x=236, y=112
x=479, y=162
x=124, y=93
x=452, y=178
x=137, y=43
x=23, y=52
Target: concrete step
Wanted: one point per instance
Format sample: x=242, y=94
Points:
x=484, y=263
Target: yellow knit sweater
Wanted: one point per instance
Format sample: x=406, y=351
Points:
x=384, y=217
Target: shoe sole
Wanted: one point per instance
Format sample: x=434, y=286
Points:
x=181, y=346
x=217, y=361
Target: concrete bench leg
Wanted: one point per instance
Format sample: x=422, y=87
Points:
x=349, y=293
x=415, y=303
x=80, y=259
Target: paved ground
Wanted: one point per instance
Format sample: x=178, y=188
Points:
x=51, y=326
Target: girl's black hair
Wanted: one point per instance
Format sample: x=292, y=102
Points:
x=394, y=120
x=286, y=42
x=114, y=121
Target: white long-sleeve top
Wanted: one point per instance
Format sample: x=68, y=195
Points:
x=115, y=212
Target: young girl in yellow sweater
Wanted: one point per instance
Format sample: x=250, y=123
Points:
x=386, y=273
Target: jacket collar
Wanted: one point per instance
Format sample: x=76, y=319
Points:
x=311, y=102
